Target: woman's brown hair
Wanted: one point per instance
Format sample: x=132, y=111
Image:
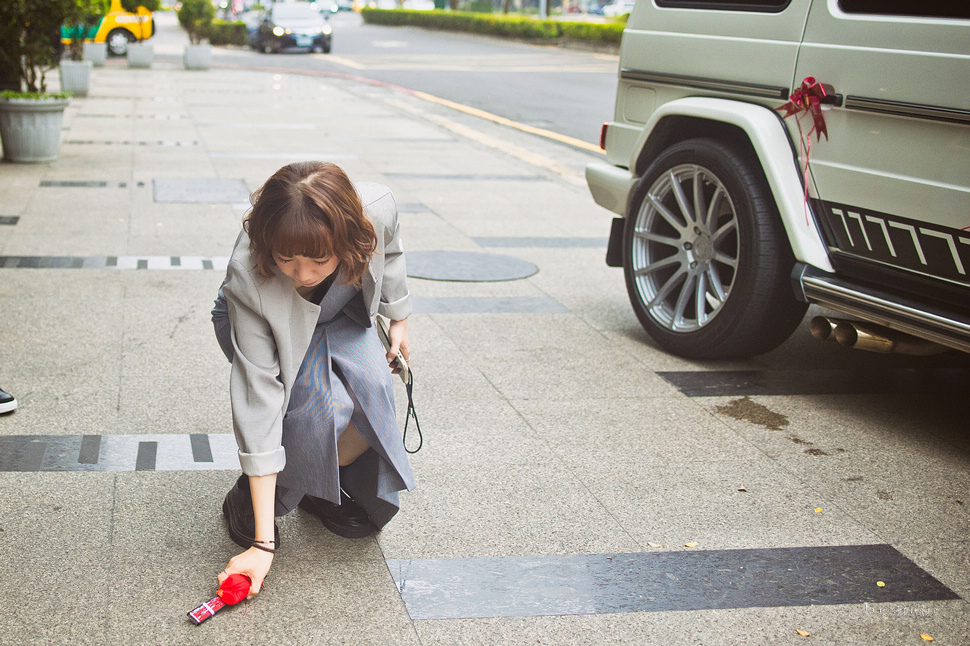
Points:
x=310, y=209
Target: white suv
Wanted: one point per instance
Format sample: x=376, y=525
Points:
x=734, y=217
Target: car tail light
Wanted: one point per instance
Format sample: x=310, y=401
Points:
x=603, y=135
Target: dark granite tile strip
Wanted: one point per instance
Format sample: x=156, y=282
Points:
x=201, y=450
x=90, y=451
x=73, y=184
x=739, y=383
x=34, y=262
x=99, y=262
x=9, y=220
x=147, y=453
x=528, y=586
x=61, y=262
x=82, y=142
x=33, y=455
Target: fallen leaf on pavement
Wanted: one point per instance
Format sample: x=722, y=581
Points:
x=692, y=544
x=880, y=584
x=803, y=633
x=925, y=637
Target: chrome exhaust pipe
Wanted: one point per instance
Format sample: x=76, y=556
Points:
x=872, y=337
x=823, y=327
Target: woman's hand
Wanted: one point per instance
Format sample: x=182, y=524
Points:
x=397, y=333
x=253, y=563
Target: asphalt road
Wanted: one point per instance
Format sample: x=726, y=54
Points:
x=566, y=91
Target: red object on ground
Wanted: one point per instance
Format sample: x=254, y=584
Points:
x=234, y=589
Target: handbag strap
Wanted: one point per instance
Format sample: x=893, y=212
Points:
x=409, y=386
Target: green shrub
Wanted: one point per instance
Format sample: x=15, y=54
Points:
x=504, y=25
x=131, y=6
x=481, y=6
x=593, y=32
x=196, y=16
x=224, y=32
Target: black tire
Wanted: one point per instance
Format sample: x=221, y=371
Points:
x=327, y=46
x=712, y=287
x=117, y=41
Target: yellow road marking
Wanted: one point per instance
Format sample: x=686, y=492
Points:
x=571, y=175
x=346, y=62
x=542, y=132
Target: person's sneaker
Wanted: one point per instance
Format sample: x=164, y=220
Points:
x=238, y=510
x=7, y=402
x=347, y=519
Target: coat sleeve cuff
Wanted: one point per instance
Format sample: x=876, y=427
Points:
x=398, y=310
x=263, y=464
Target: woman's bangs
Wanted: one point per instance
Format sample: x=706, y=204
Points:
x=302, y=236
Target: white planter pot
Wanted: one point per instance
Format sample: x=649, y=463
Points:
x=140, y=55
x=75, y=77
x=97, y=53
x=198, y=57
x=31, y=128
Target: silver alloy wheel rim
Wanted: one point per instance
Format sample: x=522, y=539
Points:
x=118, y=44
x=685, y=248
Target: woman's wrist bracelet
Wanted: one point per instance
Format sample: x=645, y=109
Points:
x=257, y=545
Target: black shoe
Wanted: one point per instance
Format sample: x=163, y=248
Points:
x=7, y=402
x=238, y=510
x=347, y=519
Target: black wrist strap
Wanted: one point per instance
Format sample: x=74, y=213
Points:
x=409, y=386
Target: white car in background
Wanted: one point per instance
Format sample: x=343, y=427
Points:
x=735, y=211
x=616, y=9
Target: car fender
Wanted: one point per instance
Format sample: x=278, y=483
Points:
x=769, y=138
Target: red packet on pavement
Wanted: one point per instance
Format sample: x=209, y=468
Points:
x=233, y=590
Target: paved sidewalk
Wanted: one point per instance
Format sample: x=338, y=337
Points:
x=565, y=474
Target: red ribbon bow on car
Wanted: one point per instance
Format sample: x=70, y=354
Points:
x=808, y=98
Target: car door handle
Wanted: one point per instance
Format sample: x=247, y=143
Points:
x=831, y=96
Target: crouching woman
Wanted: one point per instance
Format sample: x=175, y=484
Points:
x=311, y=389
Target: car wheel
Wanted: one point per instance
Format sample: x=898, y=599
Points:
x=706, y=258
x=117, y=41
x=326, y=47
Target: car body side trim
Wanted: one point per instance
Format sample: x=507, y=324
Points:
x=701, y=83
x=900, y=108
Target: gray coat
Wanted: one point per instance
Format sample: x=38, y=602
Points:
x=270, y=327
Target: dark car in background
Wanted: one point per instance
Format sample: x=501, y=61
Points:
x=292, y=25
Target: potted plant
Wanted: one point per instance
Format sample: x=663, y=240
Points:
x=140, y=53
x=82, y=18
x=196, y=17
x=30, y=117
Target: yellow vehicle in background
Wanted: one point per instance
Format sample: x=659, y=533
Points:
x=117, y=28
